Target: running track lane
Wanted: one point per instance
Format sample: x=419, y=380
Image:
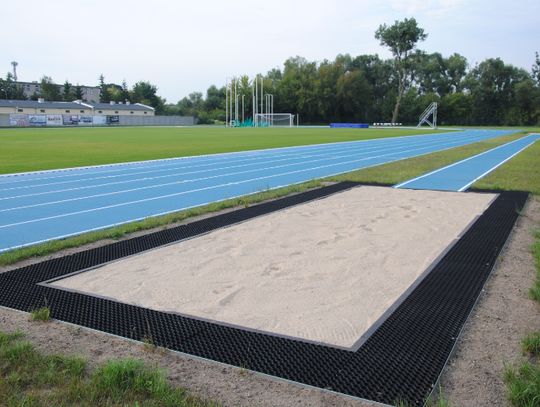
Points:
x=462, y=174
x=41, y=206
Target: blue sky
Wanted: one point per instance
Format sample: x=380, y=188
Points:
x=187, y=46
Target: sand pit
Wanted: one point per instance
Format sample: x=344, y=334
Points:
x=324, y=271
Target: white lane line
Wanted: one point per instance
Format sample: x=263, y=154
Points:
x=466, y=186
x=152, y=169
x=323, y=158
x=456, y=163
x=196, y=205
x=468, y=139
x=289, y=157
x=252, y=154
x=216, y=155
x=201, y=189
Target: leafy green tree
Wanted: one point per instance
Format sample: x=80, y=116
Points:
x=10, y=90
x=125, y=91
x=328, y=74
x=67, y=92
x=492, y=86
x=456, y=69
x=455, y=108
x=104, y=96
x=354, y=94
x=78, y=92
x=146, y=93
x=401, y=38
x=49, y=90
x=536, y=69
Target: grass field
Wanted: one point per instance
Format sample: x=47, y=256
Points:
x=42, y=149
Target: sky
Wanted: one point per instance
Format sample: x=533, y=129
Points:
x=186, y=46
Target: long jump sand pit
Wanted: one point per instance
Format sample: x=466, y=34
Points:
x=324, y=271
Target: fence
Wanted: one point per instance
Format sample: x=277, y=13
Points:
x=56, y=120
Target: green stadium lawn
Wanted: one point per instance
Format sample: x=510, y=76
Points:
x=42, y=149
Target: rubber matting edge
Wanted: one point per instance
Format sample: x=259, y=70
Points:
x=401, y=361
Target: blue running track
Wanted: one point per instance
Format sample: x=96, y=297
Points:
x=462, y=174
x=41, y=206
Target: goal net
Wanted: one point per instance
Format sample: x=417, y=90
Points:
x=274, y=120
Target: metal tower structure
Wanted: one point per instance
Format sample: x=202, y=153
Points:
x=431, y=110
x=14, y=63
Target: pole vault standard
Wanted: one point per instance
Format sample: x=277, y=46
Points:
x=262, y=104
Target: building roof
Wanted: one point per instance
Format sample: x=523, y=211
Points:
x=118, y=106
x=34, y=104
x=57, y=84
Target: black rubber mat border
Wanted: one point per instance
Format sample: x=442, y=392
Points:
x=401, y=361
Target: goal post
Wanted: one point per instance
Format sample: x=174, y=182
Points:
x=274, y=120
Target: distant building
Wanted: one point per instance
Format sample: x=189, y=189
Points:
x=74, y=108
x=89, y=93
x=120, y=109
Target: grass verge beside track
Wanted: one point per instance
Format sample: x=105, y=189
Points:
x=523, y=380
x=512, y=175
x=31, y=378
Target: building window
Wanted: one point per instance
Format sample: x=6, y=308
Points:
x=19, y=110
x=42, y=110
x=68, y=111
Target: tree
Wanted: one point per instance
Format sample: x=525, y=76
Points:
x=67, y=92
x=456, y=69
x=78, y=93
x=492, y=86
x=536, y=69
x=125, y=91
x=146, y=93
x=104, y=96
x=10, y=90
x=401, y=38
x=49, y=90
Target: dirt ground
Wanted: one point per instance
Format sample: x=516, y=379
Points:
x=502, y=317
x=473, y=377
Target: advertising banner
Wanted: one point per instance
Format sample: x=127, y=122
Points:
x=100, y=120
x=54, y=120
x=70, y=120
x=37, y=119
x=19, y=120
x=85, y=121
x=113, y=119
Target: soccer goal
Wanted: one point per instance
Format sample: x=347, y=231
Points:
x=274, y=120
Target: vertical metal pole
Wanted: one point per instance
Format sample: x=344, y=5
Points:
x=243, y=108
x=256, y=100
x=262, y=95
x=272, y=108
x=236, y=102
x=253, y=102
x=227, y=102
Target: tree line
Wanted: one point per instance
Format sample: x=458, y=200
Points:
x=364, y=88
x=367, y=88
